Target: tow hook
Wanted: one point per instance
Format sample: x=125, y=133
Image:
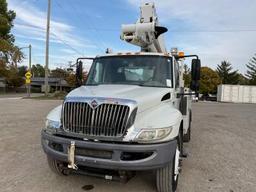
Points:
x=71, y=156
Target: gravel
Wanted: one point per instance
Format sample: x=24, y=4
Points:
x=221, y=157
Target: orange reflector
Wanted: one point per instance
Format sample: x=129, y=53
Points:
x=181, y=54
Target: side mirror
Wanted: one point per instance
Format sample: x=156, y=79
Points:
x=79, y=74
x=195, y=74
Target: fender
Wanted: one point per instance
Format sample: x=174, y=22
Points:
x=164, y=115
x=55, y=114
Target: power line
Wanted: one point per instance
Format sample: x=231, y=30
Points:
x=65, y=43
x=183, y=31
x=173, y=31
x=100, y=44
x=213, y=31
x=59, y=5
x=57, y=37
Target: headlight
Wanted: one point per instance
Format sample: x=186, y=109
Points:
x=51, y=126
x=147, y=135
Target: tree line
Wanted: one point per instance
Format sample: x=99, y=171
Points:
x=223, y=74
x=11, y=55
x=15, y=77
x=210, y=78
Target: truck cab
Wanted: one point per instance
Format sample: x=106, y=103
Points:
x=132, y=114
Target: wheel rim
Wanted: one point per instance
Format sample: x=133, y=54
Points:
x=176, y=164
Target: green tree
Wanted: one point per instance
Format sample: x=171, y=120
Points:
x=226, y=73
x=9, y=53
x=37, y=70
x=22, y=71
x=59, y=73
x=67, y=75
x=13, y=79
x=186, y=76
x=71, y=80
x=6, y=22
x=209, y=80
x=242, y=80
x=3, y=69
x=251, y=71
x=15, y=55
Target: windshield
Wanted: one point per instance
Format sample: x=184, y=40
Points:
x=155, y=71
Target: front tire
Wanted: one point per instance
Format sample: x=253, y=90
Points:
x=168, y=176
x=58, y=167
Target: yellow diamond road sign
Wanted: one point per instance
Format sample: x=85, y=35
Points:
x=28, y=81
x=28, y=75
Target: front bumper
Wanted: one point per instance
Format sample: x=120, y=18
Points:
x=159, y=154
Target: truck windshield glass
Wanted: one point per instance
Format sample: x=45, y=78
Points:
x=155, y=71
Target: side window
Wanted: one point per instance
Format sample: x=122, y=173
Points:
x=97, y=73
x=177, y=74
x=169, y=76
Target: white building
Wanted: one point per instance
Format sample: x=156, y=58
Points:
x=236, y=93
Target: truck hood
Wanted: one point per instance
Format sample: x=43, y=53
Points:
x=146, y=97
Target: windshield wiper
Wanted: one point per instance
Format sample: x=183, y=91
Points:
x=145, y=85
x=91, y=84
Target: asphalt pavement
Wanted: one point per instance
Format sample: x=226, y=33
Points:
x=221, y=157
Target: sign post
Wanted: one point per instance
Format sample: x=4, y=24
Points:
x=28, y=82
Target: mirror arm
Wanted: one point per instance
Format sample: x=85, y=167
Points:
x=182, y=94
x=81, y=58
x=84, y=58
x=180, y=57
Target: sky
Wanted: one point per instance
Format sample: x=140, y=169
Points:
x=216, y=30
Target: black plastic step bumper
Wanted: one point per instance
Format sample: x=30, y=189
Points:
x=115, y=156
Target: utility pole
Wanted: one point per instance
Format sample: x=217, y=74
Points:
x=29, y=66
x=46, y=84
x=29, y=69
x=28, y=84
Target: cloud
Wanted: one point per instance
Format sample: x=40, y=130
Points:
x=30, y=28
x=206, y=12
x=31, y=21
x=67, y=51
x=215, y=30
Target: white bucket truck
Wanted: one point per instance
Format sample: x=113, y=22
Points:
x=132, y=113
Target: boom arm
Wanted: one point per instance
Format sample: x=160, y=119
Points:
x=146, y=32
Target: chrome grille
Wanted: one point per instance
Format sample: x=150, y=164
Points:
x=107, y=120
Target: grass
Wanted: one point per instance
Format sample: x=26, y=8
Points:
x=59, y=95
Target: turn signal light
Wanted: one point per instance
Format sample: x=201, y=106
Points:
x=181, y=54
